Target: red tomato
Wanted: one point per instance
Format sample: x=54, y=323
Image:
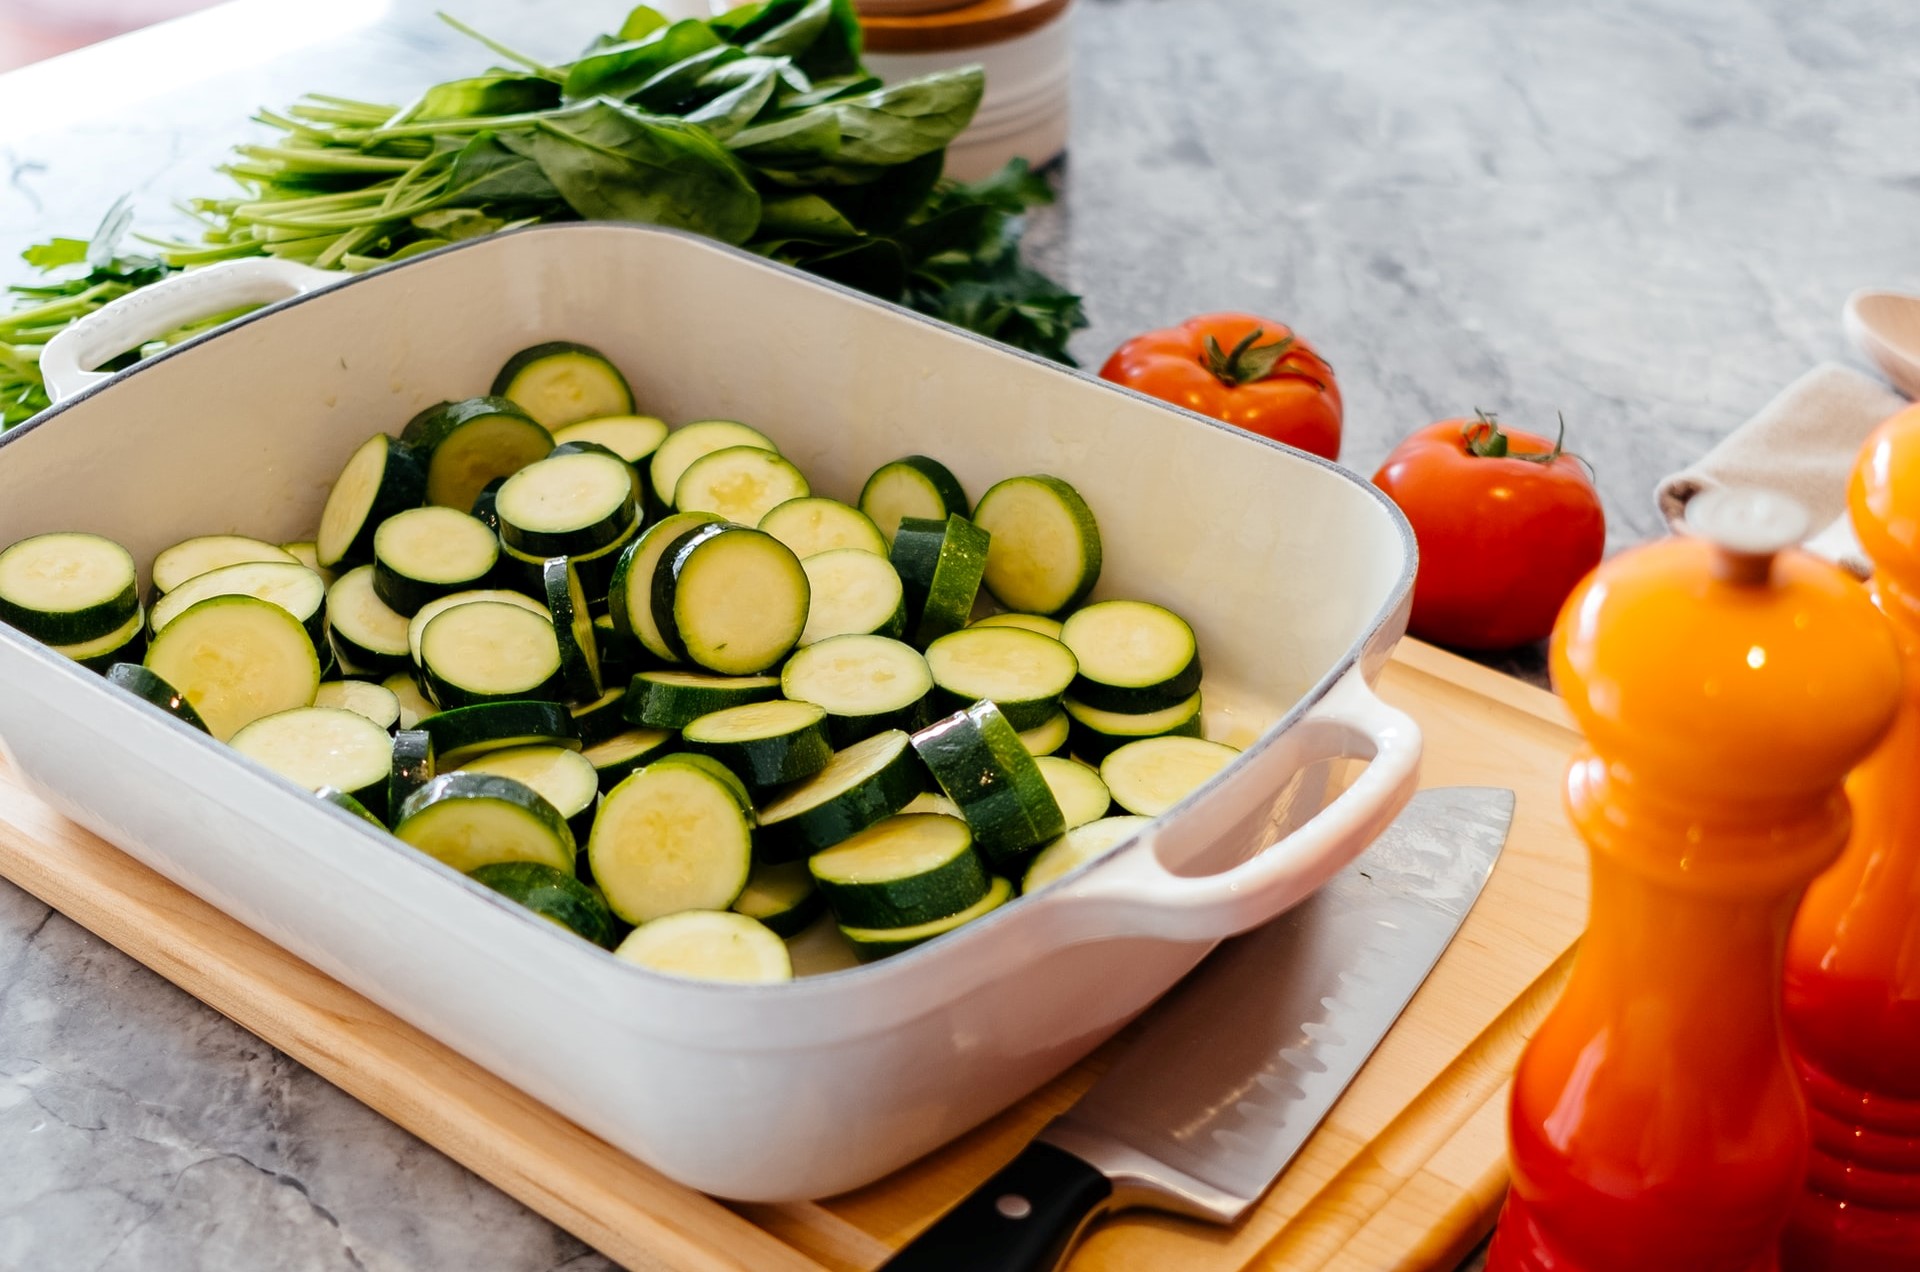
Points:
x=1507, y=523
x=1250, y=372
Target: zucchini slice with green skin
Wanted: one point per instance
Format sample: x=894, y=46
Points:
x=423, y=554
x=977, y=759
x=1134, y=657
x=692, y=441
x=567, y=505
x=633, y=438
x=596, y=569
x=782, y=897
x=489, y=651
x=852, y=593
x=236, y=659
x=1031, y=622
x=912, y=487
x=600, y=719
x=465, y=732
x=151, y=689
x=620, y=656
x=340, y=799
x=564, y=778
x=323, y=746
x=730, y=599
x=469, y=820
x=433, y=609
x=381, y=478
x=129, y=644
x=307, y=553
x=560, y=899
x=718, y=772
x=619, y=755
x=467, y=444
x=414, y=706
x=415, y=763
x=709, y=945
x=484, y=508
x=670, y=837
x=1077, y=847
x=812, y=524
x=861, y=786
x=1095, y=733
x=68, y=588
x=1049, y=737
x=1022, y=673
x=866, y=685
x=901, y=872
x=1150, y=776
x=573, y=631
x=294, y=588
x=362, y=697
x=674, y=699
x=933, y=802
x=1045, y=551
x=763, y=743
x=870, y=944
x=1078, y=789
x=368, y=636
x=630, y=599
x=940, y=564
x=561, y=383
x=191, y=558
x=642, y=493
x=741, y=484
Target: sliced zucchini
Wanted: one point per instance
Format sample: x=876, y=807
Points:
x=423, y=554
x=729, y=599
x=382, y=477
x=861, y=786
x=323, y=746
x=1134, y=657
x=630, y=600
x=1031, y=622
x=1096, y=732
x=128, y=644
x=414, y=706
x=573, y=631
x=192, y=557
x=366, y=635
x=782, y=897
x=600, y=719
x=1151, y=776
x=415, y=763
x=564, y=778
x=1045, y=552
x=620, y=656
x=670, y=837
x=690, y=442
x=633, y=438
x=933, y=802
x=1023, y=673
x=622, y=753
x=485, y=503
x=877, y=943
x=560, y=899
x=853, y=593
x=977, y=759
x=1078, y=789
x=469, y=820
x=901, y=872
x=709, y=945
x=1050, y=737
x=435, y=608
x=866, y=685
x=237, y=660
x=912, y=487
x=674, y=699
x=561, y=383
x=340, y=799
x=764, y=743
x=1077, y=847
x=718, y=772
x=489, y=651
x=814, y=524
x=149, y=688
x=567, y=505
x=294, y=588
x=68, y=588
x=467, y=444
x=741, y=484
x=461, y=734
x=307, y=553
x=595, y=569
x=940, y=565
x=362, y=697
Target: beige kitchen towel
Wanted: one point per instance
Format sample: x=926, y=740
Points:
x=1803, y=445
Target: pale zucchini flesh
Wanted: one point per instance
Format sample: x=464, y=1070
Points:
x=813, y=524
x=690, y=442
x=1022, y=672
x=1048, y=737
x=294, y=588
x=322, y=746
x=413, y=704
x=901, y=872
x=631, y=598
x=709, y=945
x=1150, y=776
x=469, y=820
x=852, y=592
x=567, y=505
x=916, y=486
x=237, y=659
x=559, y=383
x=367, y=635
x=781, y=896
x=1032, y=622
x=68, y=588
x=489, y=651
x=1078, y=789
x=1044, y=556
x=376, y=702
x=730, y=599
x=876, y=943
x=1134, y=656
x=1079, y=846
x=470, y=443
x=866, y=684
x=631, y=437
x=741, y=484
x=192, y=557
x=614, y=758
x=423, y=554
x=861, y=785
x=433, y=609
x=670, y=838
x=764, y=743
x=381, y=478
x=1095, y=733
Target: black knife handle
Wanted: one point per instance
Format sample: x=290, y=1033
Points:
x=1024, y=1219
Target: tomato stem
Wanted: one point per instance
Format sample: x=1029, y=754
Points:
x=1485, y=440
x=1249, y=362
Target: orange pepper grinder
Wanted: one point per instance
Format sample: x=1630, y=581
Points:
x=1725, y=682
x=1853, y=961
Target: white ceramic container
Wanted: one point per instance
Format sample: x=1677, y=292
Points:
x=1295, y=574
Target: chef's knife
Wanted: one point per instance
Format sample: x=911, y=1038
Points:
x=1232, y=1072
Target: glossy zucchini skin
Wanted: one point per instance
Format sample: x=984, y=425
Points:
x=465, y=732
x=673, y=700
x=150, y=688
x=559, y=898
x=981, y=764
x=413, y=766
x=870, y=944
x=924, y=893
x=794, y=824
x=766, y=761
x=941, y=565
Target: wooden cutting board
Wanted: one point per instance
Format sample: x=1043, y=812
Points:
x=1405, y=1173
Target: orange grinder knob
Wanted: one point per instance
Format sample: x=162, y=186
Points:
x=1725, y=683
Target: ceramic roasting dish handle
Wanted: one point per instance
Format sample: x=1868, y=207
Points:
x=1136, y=895
x=67, y=363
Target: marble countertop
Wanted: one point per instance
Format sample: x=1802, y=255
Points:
x=1645, y=215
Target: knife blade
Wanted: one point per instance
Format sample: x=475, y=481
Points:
x=1232, y=1071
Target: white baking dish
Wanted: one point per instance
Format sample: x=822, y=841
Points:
x=1295, y=574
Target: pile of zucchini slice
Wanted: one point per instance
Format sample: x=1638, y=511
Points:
x=647, y=684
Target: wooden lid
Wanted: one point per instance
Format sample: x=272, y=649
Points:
x=987, y=22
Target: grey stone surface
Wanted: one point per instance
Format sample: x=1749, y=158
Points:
x=1644, y=214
